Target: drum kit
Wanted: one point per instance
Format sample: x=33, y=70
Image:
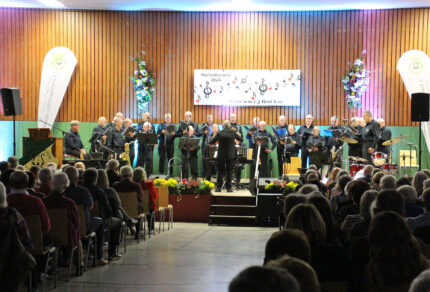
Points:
x=379, y=159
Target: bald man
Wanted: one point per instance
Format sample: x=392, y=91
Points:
x=385, y=135
x=101, y=128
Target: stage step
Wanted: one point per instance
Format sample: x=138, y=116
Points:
x=231, y=220
x=239, y=210
x=233, y=209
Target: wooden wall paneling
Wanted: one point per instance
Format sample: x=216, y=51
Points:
x=320, y=44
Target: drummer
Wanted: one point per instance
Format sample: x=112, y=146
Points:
x=354, y=131
x=385, y=135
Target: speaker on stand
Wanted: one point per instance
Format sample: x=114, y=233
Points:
x=420, y=112
x=11, y=100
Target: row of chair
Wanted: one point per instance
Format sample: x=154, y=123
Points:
x=60, y=235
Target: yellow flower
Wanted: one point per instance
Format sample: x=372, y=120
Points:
x=212, y=185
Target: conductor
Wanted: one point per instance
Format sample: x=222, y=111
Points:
x=226, y=154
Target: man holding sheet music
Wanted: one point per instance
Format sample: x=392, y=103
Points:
x=280, y=132
x=305, y=132
x=166, y=139
x=315, y=146
x=184, y=125
x=189, y=155
x=146, y=150
x=265, y=149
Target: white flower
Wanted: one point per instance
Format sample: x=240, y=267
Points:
x=135, y=72
x=142, y=63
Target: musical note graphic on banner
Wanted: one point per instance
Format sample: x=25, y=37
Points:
x=262, y=87
x=207, y=91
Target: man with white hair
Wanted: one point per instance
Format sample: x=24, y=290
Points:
x=234, y=125
x=305, y=131
x=146, y=118
x=184, y=125
x=370, y=136
x=116, y=139
x=72, y=141
x=315, y=145
x=264, y=151
x=385, y=135
x=251, y=132
x=333, y=143
x=281, y=131
x=226, y=154
x=145, y=156
x=209, y=164
x=166, y=143
x=101, y=129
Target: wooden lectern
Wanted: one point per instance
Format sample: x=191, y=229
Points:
x=39, y=138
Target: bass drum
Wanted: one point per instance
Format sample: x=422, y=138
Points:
x=354, y=168
x=390, y=168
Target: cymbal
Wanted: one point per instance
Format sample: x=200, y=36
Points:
x=395, y=140
x=348, y=140
x=357, y=159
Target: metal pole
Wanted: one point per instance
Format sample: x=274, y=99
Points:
x=419, y=134
x=14, y=137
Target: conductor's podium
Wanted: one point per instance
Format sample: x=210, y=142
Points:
x=41, y=148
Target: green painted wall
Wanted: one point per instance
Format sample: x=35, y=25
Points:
x=6, y=140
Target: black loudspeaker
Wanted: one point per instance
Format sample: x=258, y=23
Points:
x=11, y=101
x=268, y=210
x=420, y=103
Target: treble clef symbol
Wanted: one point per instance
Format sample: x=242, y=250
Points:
x=207, y=91
x=262, y=87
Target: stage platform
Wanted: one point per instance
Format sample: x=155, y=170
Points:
x=235, y=193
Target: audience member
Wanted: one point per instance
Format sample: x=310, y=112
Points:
x=403, y=181
x=30, y=188
x=388, y=182
x=390, y=200
x=376, y=180
x=139, y=177
x=395, y=258
x=301, y=270
x=292, y=200
x=323, y=206
x=45, y=175
x=421, y=283
x=338, y=199
x=360, y=229
x=112, y=168
x=418, y=182
x=264, y=279
x=13, y=162
x=57, y=200
x=26, y=204
x=424, y=218
x=410, y=196
x=292, y=242
x=355, y=190
x=80, y=165
x=307, y=189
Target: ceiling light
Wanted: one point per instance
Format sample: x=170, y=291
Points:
x=52, y=3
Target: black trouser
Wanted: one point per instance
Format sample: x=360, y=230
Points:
x=280, y=151
x=304, y=157
x=164, y=151
x=114, y=235
x=355, y=150
x=263, y=168
x=225, y=168
x=316, y=158
x=210, y=168
x=145, y=158
x=77, y=154
x=97, y=227
x=238, y=172
x=365, y=151
x=191, y=163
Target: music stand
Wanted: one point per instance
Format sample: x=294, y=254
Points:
x=147, y=138
x=186, y=143
x=127, y=131
x=170, y=128
x=213, y=152
x=261, y=138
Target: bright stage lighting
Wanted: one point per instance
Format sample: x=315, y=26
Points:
x=52, y=3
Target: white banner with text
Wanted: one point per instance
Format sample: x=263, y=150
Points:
x=247, y=87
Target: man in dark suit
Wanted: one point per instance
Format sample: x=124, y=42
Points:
x=226, y=154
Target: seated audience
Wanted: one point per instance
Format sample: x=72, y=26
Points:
x=57, y=200
x=390, y=200
x=112, y=168
x=21, y=168
x=264, y=279
x=395, y=258
x=15, y=219
x=426, y=184
x=422, y=219
x=340, y=197
x=360, y=228
x=376, y=180
x=139, y=177
x=105, y=212
x=403, y=181
x=290, y=201
x=35, y=171
x=410, y=196
x=307, y=189
x=80, y=165
x=13, y=162
x=301, y=270
x=292, y=242
x=31, y=182
x=112, y=196
x=25, y=203
x=45, y=175
x=388, y=182
x=418, y=182
x=355, y=190
x=323, y=206
x=421, y=283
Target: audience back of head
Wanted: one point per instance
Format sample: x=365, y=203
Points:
x=288, y=241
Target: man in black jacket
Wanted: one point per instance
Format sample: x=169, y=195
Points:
x=72, y=141
x=265, y=150
x=370, y=136
x=166, y=143
x=315, y=146
x=281, y=132
x=226, y=154
x=385, y=135
x=189, y=157
x=305, y=131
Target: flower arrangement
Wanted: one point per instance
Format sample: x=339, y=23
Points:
x=143, y=81
x=355, y=82
x=281, y=187
x=185, y=186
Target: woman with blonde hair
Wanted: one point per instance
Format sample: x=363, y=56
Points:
x=139, y=176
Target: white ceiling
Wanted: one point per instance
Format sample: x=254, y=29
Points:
x=223, y=5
